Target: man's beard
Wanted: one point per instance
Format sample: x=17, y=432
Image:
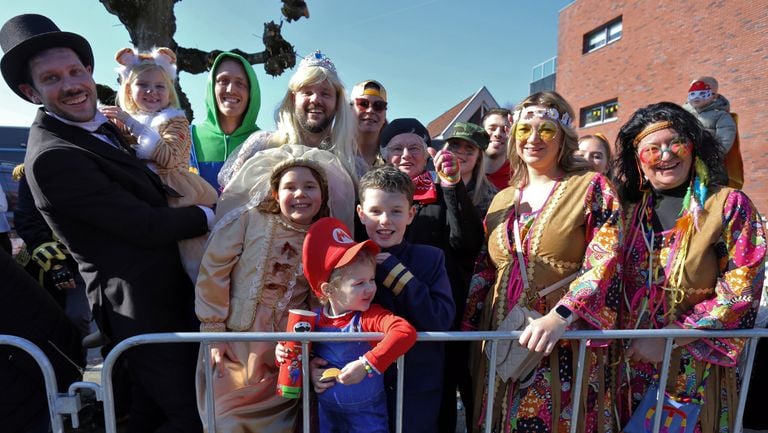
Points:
x=312, y=127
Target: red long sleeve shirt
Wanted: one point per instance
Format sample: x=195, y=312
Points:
x=399, y=335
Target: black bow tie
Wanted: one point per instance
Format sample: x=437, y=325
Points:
x=109, y=130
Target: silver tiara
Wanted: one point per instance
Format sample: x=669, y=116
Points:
x=317, y=59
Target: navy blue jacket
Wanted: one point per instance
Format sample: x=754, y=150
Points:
x=413, y=283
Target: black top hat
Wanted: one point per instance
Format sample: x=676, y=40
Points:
x=23, y=36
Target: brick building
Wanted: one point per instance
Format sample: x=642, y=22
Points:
x=617, y=56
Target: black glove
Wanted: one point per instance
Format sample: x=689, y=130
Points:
x=61, y=275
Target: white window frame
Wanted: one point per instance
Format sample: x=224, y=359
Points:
x=605, y=35
x=602, y=106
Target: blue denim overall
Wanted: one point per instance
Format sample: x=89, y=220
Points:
x=361, y=407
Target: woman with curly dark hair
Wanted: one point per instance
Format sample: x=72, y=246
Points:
x=694, y=253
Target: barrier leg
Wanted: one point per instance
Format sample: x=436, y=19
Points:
x=580, y=365
x=751, y=352
x=662, y=384
x=210, y=404
x=491, y=388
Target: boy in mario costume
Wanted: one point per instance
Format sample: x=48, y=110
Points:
x=341, y=274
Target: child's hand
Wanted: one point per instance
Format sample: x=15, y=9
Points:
x=316, y=369
x=115, y=113
x=281, y=352
x=352, y=373
x=218, y=351
x=382, y=257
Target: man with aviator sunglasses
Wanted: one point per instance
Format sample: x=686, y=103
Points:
x=369, y=101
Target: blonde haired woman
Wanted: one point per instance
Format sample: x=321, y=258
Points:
x=552, y=247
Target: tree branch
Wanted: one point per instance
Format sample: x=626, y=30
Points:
x=152, y=23
x=197, y=61
x=294, y=9
x=278, y=56
x=105, y=94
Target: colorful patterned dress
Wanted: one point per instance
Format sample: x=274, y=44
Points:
x=720, y=289
x=577, y=230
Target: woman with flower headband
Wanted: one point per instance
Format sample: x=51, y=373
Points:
x=694, y=253
x=552, y=247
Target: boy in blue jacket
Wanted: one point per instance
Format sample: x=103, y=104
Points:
x=413, y=283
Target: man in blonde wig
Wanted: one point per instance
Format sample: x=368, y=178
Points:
x=315, y=112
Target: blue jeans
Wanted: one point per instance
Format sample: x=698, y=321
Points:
x=360, y=417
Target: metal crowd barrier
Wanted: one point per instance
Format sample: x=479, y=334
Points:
x=65, y=403
x=58, y=404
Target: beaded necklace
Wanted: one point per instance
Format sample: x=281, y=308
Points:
x=650, y=300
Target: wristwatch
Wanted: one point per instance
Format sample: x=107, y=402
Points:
x=565, y=313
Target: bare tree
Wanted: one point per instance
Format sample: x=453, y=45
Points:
x=152, y=23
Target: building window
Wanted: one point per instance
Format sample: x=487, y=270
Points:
x=545, y=69
x=600, y=113
x=603, y=35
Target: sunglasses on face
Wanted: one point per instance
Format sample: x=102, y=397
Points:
x=363, y=104
x=547, y=131
x=651, y=154
x=699, y=94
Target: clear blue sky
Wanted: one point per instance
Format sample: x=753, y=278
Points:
x=429, y=54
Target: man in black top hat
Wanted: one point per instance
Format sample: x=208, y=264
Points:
x=110, y=210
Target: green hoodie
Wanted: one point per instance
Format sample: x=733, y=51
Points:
x=211, y=146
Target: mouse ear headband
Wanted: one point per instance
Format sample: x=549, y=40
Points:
x=130, y=57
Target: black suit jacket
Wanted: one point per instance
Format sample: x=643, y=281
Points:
x=112, y=213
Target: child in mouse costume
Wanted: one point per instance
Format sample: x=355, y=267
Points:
x=149, y=115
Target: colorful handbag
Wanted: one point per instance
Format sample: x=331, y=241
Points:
x=679, y=414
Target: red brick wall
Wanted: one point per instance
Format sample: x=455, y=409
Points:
x=664, y=45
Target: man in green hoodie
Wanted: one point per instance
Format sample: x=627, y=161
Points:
x=232, y=104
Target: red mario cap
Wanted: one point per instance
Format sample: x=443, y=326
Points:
x=699, y=85
x=327, y=246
